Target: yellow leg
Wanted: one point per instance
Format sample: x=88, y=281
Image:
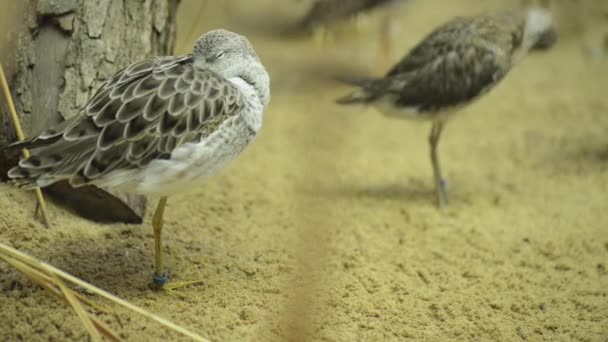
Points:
x=440, y=186
x=160, y=277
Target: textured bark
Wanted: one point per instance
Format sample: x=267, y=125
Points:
x=12, y=17
x=67, y=50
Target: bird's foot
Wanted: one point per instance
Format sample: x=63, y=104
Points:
x=161, y=283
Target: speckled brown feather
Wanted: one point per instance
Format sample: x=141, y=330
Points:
x=142, y=113
x=454, y=64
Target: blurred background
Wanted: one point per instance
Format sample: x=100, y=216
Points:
x=326, y=229
x=356, y=43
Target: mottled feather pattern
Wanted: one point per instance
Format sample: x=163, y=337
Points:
x=454, y=64
x=142, y=113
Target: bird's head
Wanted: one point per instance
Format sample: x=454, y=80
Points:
x=232, y=55
x=538, y=24
x=224, y=52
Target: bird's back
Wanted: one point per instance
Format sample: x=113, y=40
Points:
x=141, y=115
x=500, y=33
x=457, y=62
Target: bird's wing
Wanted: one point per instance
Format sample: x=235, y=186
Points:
x=434, y=45
x=142, y=113
x=454, y=64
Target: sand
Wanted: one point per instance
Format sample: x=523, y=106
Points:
x=325, y=228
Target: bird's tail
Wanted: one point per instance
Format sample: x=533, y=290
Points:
x=367, y=91
x=43, y=162
x=17, y=174
x=26, y=173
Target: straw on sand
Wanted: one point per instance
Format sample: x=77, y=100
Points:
x=54, y=280
x=21, y=137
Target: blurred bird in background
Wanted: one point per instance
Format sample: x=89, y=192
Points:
x=454, y=65
x=323, y=13
x=548, y=38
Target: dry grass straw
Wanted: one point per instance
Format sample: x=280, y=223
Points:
x=55, y=280
x=21, y=137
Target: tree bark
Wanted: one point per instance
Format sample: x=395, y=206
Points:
x=67, y=50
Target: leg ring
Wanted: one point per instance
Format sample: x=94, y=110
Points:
x=160, y=281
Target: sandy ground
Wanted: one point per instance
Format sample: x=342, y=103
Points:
x=325, y=228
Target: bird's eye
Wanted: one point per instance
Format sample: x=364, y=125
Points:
x=219, y=55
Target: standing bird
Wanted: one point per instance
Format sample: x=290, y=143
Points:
x=324, y=12
x=158, y=126
x=454, y=65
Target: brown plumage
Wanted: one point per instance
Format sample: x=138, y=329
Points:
x=142, y=113
x=158, y=126
x=455, y=64
x=323, y=13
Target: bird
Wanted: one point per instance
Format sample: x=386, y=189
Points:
x=324, y=12
x=159, y=126
x=454, y=65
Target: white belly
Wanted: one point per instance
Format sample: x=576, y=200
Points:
x=387, y=107
x=191, y=163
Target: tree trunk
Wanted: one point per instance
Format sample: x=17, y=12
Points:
x=67, y=50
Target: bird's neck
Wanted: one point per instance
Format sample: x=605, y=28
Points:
x=256, y=76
